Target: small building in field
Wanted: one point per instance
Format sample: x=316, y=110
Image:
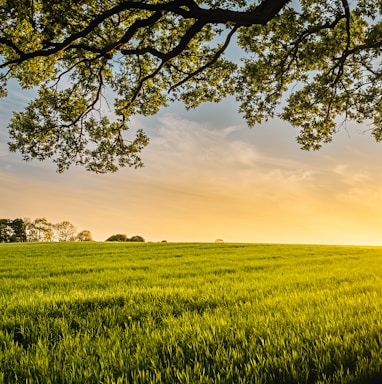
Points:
x=219, y=241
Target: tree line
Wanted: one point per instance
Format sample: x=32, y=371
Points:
x=40, y=230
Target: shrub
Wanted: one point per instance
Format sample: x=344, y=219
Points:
x=118, y=237
x=137, y=238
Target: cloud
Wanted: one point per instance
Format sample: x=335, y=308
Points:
x=198, y=156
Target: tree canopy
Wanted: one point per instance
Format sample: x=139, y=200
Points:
x=12, y=231
x=319, y=59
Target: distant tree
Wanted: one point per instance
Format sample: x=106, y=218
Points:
x=19, y=234
x=39, y=229
x=136, y=239
x=28, y=228
x=84, y=235
x=6, y=231
x=64, y=231
x=12, y=231
x=118, y=237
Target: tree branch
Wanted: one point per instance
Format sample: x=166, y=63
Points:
x=107, y=51
x=260, y=15
x=192, y=31
x=11, y=45
x=216, y=56
x=263, y=13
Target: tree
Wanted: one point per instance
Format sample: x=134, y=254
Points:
x=136, y=239
x=6, y=231
x=118, y=237
x=320, y=57
x=39, y=229
x=64, y=231
x=12, y=231
x=19, y=230
x=84, y=235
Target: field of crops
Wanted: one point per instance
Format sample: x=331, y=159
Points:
x=190, y=313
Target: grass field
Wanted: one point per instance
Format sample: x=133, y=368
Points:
x=190, y=313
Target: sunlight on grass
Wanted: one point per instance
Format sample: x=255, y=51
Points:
x=190, y=313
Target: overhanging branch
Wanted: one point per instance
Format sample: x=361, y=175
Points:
x=262, y=14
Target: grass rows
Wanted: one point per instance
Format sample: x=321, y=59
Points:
x=190, y=313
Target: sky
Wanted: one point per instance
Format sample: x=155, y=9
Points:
x=208, y=176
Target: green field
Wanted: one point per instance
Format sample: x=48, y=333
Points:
x=190, y=313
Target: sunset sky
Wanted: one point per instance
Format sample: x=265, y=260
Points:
x=208, y=176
